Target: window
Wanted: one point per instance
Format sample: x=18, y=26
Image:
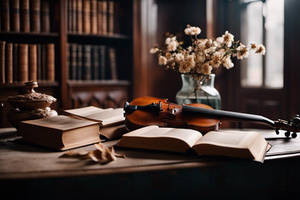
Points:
x=263, y=22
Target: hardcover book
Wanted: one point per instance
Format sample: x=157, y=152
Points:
x=240, y=144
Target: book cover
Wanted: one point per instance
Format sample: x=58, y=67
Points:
x=24, y=15
x=23, y=62
x=33, y=62
x=45, y=16
x=35, y=15
x=9, y=63
x=15, y=15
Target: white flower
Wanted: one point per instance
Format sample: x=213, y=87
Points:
x=242, y=52
x=261, y=49
x=228, y=63
x=162, y=60
x=172, y=46
x=192, y=30
x=170, y=39
x=154, y=50
x=201, y=43
x=205, y=68
x=216, y=59
x=179, y=57
x=228, y=39
x=187, y=64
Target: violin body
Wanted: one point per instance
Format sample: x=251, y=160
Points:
x=145, y=111
x=167, y=115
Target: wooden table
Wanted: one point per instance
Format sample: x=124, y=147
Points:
x=28, y=172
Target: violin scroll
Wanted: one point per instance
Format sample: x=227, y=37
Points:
x=292, y=125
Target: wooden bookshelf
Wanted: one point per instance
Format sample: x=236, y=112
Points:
x=77, y=93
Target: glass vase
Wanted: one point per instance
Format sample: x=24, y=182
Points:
x=199, y=90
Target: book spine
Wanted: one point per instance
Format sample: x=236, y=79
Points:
x=50, y=62
x=16, y=62
x=102, y=63
x=9, y=63
x=108, y=74
x=95, y=63
x=39, y=62
x=24, y=12
x=45, y=16
x=70, y=15
x=86, y=62
x=33, y=62
x=110, y=17
x=23, y=62
x=44, y=62
x=99, y=17
x=5, y=15
x=15, y=15
x=2, y=62
x=86, y=16
x=35, y=15
x=74, y=27
x=104, y=17
x=112, y=63
x=79, y=16
x=94, y=16
x=79, y=62
x=73, y=62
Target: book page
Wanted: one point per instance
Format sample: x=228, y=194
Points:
x=189, y=136
x=105, y=116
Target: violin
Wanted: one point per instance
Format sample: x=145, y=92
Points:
x=145, y=111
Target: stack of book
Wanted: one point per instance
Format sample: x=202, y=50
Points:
x=91, y=62
x=25, y=15
x=93, y=16
x=25, y=62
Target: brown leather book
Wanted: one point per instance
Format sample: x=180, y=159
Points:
x=104, y=17
x=2, y=62
x=72, y=61
x=50, y=62
x=5, y=16
x=94, y=16
x=74, y=15
x=112, y=63
x=110, y=16
x=15, y=62
x=39, y=62
x=70, y=14
x=23, y=62
x=45, y=16
x=86, y=62
x=15, y=15
x=79, y=58
x=33, y=62
x=86, y=16
x=9, y=63
x=35, y=15
x=79, y=16
x=24, y=16
x=99, y=17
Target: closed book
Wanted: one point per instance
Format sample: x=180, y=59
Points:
x=99, y=17
x=16, y=62
x=24, y=15
x=45, y=16
x=70, y=14
x=86, y=16
x=9, y=63
x=73, y=62
x=102, y=62
x=5, y=15
x=23, y=62
x=110, y=17
x=74, y=15
x=79, y=63
x=104, y=17
x=94, y=16
x=15, y=13
x=113, y=63
x=35, y=15
x=2, y=62
x=50, y=62
x=39, y=62
x=59, y=132
x=94, y=63
x=86, y=62
x=33, y=62
x=79, y=11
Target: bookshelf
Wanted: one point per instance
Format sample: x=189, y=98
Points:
x=67, y=23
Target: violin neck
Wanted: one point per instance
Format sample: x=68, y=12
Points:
x=226, y=115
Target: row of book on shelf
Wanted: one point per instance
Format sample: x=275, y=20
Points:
x=25, y=15
x=93, y=16
x=24, y=62
x=92, y=62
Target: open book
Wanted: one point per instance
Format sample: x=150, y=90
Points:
x=241, y=144
x=59, y=132
x=111, y=120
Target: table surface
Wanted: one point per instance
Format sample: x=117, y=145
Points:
x=21, y=160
